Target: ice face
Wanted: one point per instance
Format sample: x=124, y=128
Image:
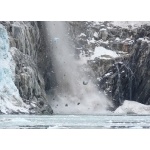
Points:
x=10, y=100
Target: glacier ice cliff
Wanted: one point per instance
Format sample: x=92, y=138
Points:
x=10, y=100
x=22, y=86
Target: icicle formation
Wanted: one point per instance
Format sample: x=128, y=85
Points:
x=75, y=93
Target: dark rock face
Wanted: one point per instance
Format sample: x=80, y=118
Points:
x=139, y=62
x=87, y=36
x=129, y=79
x=126, y=77
x=117, y=82
x=25, y=44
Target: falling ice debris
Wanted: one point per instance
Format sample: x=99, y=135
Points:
x=56, y=40
x=85, y=82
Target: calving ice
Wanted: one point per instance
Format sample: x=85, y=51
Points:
x=56, y=39
x=74, y=67
x=72, y=86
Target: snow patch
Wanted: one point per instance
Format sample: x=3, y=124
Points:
x=108, y=74
x=134, y=24
x=82, y=35
x=103, y=29
x=103, y=53
x=96, y=23
x=104, y=42
x=143, y=40
x=95, y=35
x=117, y=39
x=91, y=41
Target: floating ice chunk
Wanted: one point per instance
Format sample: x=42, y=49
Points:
x=132, y=107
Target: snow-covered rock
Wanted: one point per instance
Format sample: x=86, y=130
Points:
x=103, y=34
x=91, y=41
x=104, y=53
x=117, y=39
x=134, y=24
x=82, y=35
x=143, y=40
x=96, y=35
x=132, y=107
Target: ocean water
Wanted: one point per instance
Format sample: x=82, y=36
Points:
x=74, y=121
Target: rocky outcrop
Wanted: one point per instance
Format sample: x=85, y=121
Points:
x=123, y=77
x=25, y=40
x=129, y=78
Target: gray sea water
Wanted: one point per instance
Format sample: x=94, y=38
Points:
x=74, y=122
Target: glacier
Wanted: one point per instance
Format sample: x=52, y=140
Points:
x=10, y=100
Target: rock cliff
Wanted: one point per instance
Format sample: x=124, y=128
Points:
x=24, y=45
x=127, y=75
